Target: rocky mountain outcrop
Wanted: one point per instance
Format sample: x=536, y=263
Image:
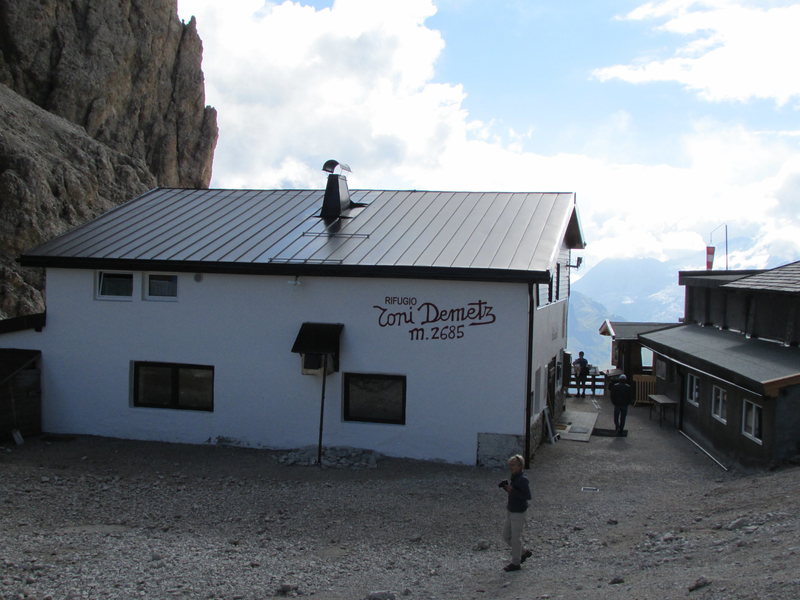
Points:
x=127, y=71
x=53, y=177
x=102, y=101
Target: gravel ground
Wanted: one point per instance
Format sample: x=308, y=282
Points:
x=90, y=517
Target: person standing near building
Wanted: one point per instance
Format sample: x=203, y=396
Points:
x=581, y=366
x=621, y=396
x=519, y=493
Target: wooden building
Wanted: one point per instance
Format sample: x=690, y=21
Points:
x=734, y=365
x=626, y=354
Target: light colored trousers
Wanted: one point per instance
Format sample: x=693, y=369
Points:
x=512, y=534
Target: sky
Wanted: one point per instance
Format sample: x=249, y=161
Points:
x=670, y=120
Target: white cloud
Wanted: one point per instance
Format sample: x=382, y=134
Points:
x=295, y=86
x=348, y=82
x=736, y=50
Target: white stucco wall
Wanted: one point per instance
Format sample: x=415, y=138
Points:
x=549, y=334
x=245, y=326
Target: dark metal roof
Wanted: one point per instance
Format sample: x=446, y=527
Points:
x=785, y=279
x=462, y=235
x=630, y=330
x=754, y=364
x=713, y=279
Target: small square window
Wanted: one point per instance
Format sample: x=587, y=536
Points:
x=167, y=385
x=161, y=287
x=114, y=285
x=719, y=401
x=375, y=398
x=751, y=421
x=693, y=389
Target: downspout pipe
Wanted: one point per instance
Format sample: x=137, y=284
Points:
x=529, y=377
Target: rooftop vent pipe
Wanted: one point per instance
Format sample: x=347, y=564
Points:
x=337, y=196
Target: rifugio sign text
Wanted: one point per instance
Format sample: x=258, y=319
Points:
x=430, y=321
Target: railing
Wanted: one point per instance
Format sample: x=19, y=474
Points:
x=643, y=385
x=595, y=385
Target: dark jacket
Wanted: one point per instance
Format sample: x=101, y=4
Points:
x=621, y=394
x=520, y=493
x=582, y=368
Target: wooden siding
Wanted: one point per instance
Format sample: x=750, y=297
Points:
x=759, y=314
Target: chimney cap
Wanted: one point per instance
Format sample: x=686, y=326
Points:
x=330, y=166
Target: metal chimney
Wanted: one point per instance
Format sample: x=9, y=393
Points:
x=337, y=195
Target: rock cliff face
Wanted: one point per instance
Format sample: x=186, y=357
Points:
x=102, y=101
x=53, y=177
x=127, y=71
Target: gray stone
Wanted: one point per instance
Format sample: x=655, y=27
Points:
x=287, y=589
x=736, y=524
x=701, y=582
x=383, y=595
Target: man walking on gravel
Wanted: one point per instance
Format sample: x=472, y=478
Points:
x=519, y=492
x=621, y=396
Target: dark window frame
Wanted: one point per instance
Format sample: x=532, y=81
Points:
x=175, y=385
x=346, y=410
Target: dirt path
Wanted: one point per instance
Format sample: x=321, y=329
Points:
x=102, y=518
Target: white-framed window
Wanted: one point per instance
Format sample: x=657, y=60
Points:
x=719, y=403
x=160, y=286
x=114, y=285
x=751, y=421
x=693, y=389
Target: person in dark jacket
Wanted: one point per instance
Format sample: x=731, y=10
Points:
x=519, y=492
x=621, y=397
x=581, y=366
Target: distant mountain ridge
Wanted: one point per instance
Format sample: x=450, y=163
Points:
x=621, y=290
x=642, y=289
x=583, y=324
